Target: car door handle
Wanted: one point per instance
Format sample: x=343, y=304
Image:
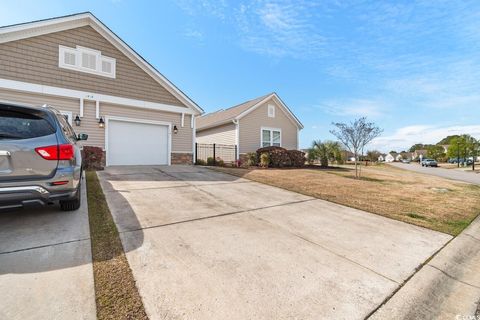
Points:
x=4, y=153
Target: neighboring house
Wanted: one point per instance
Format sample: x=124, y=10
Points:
x=348, y=156
x=79, y=66
x=391, y=157
x=421, y=153
x=261, y=122
x=381, y=157
x=403, y=156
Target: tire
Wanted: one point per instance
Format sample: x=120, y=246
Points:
x=73, y=204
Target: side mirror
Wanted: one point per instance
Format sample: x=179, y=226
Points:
x=82, y=136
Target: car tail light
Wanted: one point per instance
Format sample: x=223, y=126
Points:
x=56, y=152
x=59, y=183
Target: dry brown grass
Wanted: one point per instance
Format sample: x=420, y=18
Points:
x=116, y=295
x=423, y=200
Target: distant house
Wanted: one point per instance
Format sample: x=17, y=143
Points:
x=404, y=156
x=349, y=156
x=381, y=157
x=421, y=153
x=391, y=157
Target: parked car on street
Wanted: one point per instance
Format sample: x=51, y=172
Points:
x=406, y=161
x=40, y=159
x=429, y=163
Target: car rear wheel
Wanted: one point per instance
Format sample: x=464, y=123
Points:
x=73, y=204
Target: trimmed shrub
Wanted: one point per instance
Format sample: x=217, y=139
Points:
x=278, y=156
x=92, y=158
x=210, y=161
x=200, y=162
x=219, y=162
x=252, y=159
x=297, y=158
x=264, y=160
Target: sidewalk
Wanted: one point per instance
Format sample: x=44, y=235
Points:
x=447, y=286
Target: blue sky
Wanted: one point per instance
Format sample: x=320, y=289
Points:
x=413, y=67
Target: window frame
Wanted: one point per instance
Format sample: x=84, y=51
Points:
x=271, y=136
x=78, y=51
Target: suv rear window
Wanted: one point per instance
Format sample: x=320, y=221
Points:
x=19, y=125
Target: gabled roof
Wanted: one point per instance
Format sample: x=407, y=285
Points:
x=237, y=112
x=40, y=27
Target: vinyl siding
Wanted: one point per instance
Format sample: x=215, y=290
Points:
x=35, y=60
x=224, y=134
x=181, y=142
x=250, y=126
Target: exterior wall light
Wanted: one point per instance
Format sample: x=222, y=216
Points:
x=175, y=129
x=101, y=123
x=77, y=121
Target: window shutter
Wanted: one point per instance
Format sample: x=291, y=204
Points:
x=89, y=61
x=69, y=58
x=271, y=111
x=106, y=66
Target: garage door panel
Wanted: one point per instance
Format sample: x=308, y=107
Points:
x=135, y=143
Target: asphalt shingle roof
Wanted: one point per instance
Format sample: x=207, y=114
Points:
x=225, y=115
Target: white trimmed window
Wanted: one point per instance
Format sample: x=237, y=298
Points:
x=271, y=111
x=86, y=60
x=271, y=137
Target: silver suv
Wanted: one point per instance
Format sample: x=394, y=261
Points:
x=429, y=163
x=40, y=160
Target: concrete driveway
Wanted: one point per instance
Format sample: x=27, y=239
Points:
x=45, y=264
x=452, y=174
x=206, y=245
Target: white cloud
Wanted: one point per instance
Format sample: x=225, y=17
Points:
x=195, y=34
x=355, y=107
x=279, y=29
x=405, y=137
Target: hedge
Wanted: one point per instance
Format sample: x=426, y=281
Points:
x=280, y=157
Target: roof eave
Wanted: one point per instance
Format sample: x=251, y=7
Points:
x=273, y=95
x=215, y=124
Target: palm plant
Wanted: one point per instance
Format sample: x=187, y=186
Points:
x=325, y=152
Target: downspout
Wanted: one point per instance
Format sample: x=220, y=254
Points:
x=236, y=122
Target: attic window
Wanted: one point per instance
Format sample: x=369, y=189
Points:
x=271, y=111
x=86, y=60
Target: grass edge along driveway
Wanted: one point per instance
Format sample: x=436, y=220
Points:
x=427, y=201
x=116, y=294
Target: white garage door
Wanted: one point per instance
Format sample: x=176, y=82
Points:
x=136, y=143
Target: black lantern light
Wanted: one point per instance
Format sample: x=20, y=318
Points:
x=77, y=121
x=175, y=129
x=101, y=123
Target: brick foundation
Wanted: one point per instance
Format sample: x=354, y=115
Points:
x=182, y=158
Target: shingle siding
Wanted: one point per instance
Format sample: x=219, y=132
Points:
x=181, y=142
x=35, y=60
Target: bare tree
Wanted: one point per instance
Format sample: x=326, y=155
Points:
x=356, y=135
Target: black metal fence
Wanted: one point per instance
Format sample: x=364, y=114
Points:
x=225, y=152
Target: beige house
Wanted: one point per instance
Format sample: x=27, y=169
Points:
x=102, y=86
x=261, y=122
